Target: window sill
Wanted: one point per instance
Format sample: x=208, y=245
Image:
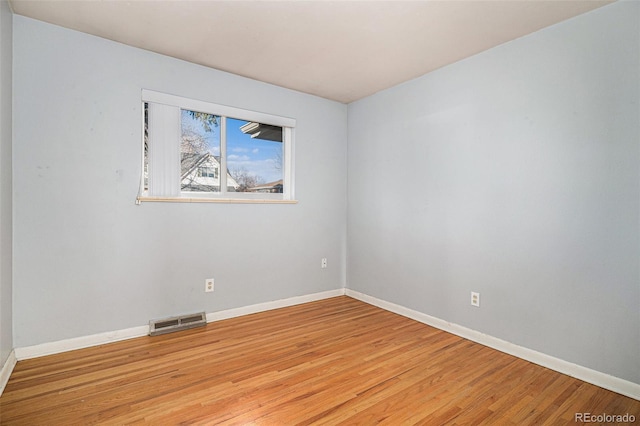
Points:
x=211, y=200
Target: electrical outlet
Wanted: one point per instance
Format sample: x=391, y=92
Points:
x=475, y=299
x=208, y=285
x=323, y=263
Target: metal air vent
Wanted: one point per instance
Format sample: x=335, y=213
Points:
x=183, y=322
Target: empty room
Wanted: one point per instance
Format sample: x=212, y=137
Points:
x=319, y=212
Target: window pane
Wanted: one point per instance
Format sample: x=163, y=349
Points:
x=199, y=152
x=254, y=156
x=193, y=152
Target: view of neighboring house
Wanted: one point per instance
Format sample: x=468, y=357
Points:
x=271, y=187
x=201, y=173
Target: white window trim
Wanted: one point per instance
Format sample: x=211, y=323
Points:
x=216, y=109
x=287, y=124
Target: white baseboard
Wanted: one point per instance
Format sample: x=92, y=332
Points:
x=81, y=342
x=6, y=370
x=588, y=375
x=276, y=304
x=60, y=346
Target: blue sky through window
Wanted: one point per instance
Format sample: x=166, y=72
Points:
x=261, y=158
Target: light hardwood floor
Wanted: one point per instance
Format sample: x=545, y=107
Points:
x=335, y=361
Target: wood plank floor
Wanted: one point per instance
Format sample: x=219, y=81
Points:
x=335, y=361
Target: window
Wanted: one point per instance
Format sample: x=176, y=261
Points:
x=198, y=150
x=207, y=172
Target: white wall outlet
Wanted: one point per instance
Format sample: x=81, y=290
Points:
x=475, y=299
x=323, y=263
x=208, y=285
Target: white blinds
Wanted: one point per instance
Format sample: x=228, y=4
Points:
x=164, y=150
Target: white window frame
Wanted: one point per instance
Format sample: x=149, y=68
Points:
x=224, y=112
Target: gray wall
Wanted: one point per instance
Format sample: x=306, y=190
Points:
x=514, y=173
x=87, y=260
x=6, y=320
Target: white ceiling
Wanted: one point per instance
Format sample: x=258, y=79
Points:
x=340, y=50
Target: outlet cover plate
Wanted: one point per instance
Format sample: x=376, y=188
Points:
x=475, y=299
